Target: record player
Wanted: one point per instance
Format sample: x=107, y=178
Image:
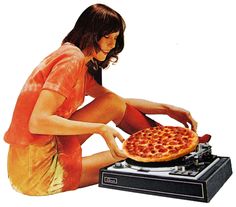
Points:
x=197, y=176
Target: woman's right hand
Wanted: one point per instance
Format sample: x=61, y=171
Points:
x=109, y=134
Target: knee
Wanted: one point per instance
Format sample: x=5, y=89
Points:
x=115, y=102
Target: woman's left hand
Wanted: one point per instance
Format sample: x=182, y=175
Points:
x=183, y=116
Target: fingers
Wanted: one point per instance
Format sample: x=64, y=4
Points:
x=110, y=140
x=183, y=116
x=119, y=136
x=115, y=151
x=186, y=119
x=194, y=126
x=119, y=154
x=185, y=124
x=192, y=122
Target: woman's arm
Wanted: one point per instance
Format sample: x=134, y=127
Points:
x=148, y=107
x=44, y=121
x=177, y=113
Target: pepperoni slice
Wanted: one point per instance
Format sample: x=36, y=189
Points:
x=173, y=143
x=162, y=150
x=172, y=151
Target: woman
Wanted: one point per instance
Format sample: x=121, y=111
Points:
x=48, y=127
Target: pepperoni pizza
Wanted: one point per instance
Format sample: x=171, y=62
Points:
x=160, y=143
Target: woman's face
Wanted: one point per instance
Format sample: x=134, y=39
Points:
x=106, y=43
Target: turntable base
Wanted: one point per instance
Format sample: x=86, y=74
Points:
x=199, y=187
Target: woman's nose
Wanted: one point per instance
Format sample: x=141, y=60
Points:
x=112, y=43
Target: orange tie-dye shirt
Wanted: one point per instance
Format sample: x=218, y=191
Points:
x=63, y=71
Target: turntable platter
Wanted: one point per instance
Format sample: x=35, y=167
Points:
x=171, y=163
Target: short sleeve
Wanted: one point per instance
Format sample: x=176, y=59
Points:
x=63, y=76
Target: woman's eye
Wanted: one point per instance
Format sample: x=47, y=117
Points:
x=106, y=36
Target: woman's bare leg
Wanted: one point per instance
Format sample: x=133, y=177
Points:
x=106, y=108
x=91, y=166
x=103, y=109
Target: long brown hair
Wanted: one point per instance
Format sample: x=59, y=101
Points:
x=95, y=22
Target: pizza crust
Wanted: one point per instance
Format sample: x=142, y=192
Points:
x=160, y=144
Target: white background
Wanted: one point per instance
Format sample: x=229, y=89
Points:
x=177, y=52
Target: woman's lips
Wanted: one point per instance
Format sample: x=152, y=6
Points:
x=105, y=52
